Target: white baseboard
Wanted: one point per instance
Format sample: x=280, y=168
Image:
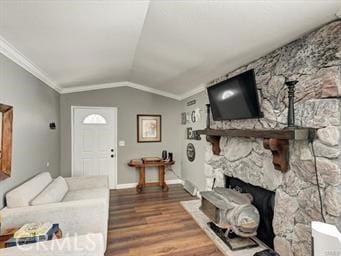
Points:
x=177, y=181
x=133, y=185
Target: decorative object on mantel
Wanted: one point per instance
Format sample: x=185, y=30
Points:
x=208, y=116
x=148, y=128
x=6, y=129
x=274, y=140
x=291, y=107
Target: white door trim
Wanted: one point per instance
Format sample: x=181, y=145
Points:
x=72, y=138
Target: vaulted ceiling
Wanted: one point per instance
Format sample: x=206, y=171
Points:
x=167, y=47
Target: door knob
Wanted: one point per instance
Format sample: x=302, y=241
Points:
x=112, y=156
x=112, y=150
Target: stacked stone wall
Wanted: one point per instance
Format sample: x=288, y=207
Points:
x=315, y=61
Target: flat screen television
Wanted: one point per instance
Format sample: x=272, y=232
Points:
x=235, y=98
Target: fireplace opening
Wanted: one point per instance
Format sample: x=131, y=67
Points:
x=264, y=201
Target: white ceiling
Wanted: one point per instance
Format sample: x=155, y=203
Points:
x=166, y=47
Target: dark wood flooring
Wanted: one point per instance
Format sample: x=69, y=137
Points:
x=154, y=223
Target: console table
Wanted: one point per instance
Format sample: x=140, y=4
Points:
x=141, y=166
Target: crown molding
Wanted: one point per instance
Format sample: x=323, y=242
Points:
x=140, y=87
x=119, y=84
x=92, y=87
x=17, y=57
x=152, y=90
x=196, y=90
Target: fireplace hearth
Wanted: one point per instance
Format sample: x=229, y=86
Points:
x=234, y=242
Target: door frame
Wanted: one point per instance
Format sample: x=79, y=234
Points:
x=115, y=109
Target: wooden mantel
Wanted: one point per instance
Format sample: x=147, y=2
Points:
x=277, y=141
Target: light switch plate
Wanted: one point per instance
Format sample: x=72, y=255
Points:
x=121, y=143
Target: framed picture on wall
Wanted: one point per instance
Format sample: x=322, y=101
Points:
x=148, y=128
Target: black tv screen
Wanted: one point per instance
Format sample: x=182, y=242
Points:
x=235, y=98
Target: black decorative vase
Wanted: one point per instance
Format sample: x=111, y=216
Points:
x=170, y=156
x=164, y=154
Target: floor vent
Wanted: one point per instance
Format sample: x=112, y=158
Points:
x=190, y=188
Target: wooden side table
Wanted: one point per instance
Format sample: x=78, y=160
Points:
x=9, y=233
x=141, y=166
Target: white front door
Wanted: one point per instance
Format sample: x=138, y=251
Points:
x=94, y=133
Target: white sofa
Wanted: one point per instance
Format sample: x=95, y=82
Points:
x=79, y=205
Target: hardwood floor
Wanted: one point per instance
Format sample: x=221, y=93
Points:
x=154, y=223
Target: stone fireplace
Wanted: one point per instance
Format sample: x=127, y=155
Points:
x=315, y=61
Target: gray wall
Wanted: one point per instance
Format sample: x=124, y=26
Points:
x=194, y=171
x=129, y=102
x=35, y=106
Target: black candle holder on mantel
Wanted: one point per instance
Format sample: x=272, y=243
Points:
x=291, y=103
x=208, y=116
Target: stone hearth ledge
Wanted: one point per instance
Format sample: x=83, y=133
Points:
x=192, y=207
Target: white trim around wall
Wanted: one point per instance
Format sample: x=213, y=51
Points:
x=140, y=87
x=120, y=84
x=17, y=57
x=133, y=185
x=199, y=89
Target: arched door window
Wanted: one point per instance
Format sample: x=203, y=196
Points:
x=94, y=119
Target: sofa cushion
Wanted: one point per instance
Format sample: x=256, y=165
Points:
x=23, y=195
x=82, y=194
x=87, y=182
x=53, y=193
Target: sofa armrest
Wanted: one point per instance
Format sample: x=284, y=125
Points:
x=74, y=217
x=87, y=182
x=85, y=245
